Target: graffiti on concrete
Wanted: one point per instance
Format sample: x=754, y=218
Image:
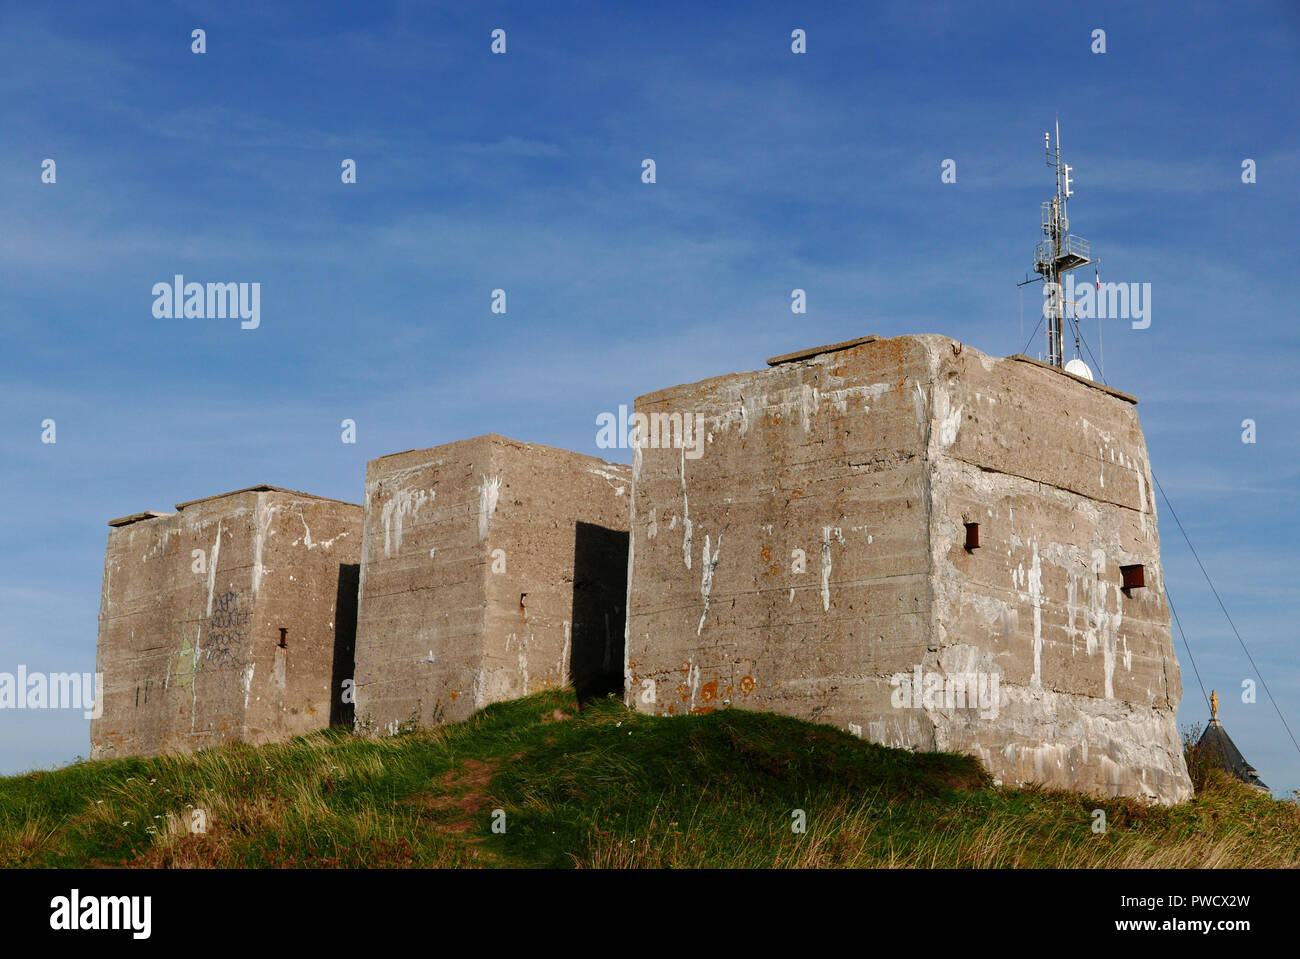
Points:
x=226, y=632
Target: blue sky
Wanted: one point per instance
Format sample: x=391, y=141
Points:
x=476, y=171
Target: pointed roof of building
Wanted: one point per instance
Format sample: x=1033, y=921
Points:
x=1217, y=747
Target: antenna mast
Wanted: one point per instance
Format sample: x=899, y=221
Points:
x=1060, y=252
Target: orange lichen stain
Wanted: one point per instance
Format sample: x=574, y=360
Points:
x=795, y=492
x=686, y=667
x=631, y=664
x=454, y=694
x=672, y=710
x=729, y=689
x=701, y=710
x=766, y=554
x=709, y=691
x=775, y=569
x=747, y=685
x=684, y=692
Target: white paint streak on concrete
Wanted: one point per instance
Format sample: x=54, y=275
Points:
x=248, y=681
x=1095, y=597
x=306, y=538
x=488, y=494
x=264, y=516
x=803, y=401
x=826, y=568
x=402, y=504
x=1036, y=597
x=709, y=564
x=1107, y=436
x=687, y=527
x=564, y=652
x=617, y=483
x=947, y=416
x=194, y=678
x=212, y=567
x=839, y=399
x=1142, y=500
x=476, y=689
x=1110, y=641
x=808, y=400
x=1108, y=666
x=693, y=681
x=1071, y=605
x=918, y=401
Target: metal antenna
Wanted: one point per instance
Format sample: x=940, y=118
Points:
x=1060, y=252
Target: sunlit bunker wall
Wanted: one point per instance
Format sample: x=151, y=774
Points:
x=871, y=512
x=232, y=619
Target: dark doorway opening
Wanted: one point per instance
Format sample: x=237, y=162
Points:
x=345, y=644
x=599, y=596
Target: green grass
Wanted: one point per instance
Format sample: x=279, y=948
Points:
x=607, y=787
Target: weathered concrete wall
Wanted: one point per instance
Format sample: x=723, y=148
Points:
x=815, y=554
x=1057, y=475
x=555, y=603
x=488, y=570
x=423, y=583
x=190, y=618
x=306, y=585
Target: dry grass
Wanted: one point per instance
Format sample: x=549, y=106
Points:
x=610, y=789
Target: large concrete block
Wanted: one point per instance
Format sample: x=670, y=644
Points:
x=813, y=562
x=491, y=569
x=231, y=619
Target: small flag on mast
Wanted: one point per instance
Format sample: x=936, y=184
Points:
x=1098, y=275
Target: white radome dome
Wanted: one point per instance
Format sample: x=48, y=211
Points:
x=1079, y=368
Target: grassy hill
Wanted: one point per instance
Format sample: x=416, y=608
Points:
x=607, y=787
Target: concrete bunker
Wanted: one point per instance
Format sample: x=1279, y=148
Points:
x=233, y=618
x=490, y=569
x=819, y=560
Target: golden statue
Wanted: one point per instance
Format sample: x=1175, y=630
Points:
x=1214, y=706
